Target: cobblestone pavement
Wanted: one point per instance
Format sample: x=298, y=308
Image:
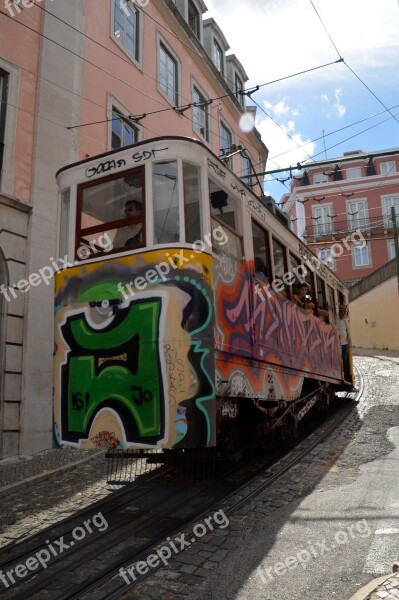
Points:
x=217, y=565
x=224, y=564
x=28, y=508
x=389, y=590
x=21, y=468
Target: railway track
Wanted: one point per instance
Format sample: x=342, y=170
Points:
x=139, y=519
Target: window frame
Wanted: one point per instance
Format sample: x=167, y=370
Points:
x=386, y=212
x=197, y=30
x=237, y=89
x=197, y=89
x=222, y=125
x=274, y=240
x=126, y=121
x=354, y=254
x=352, y=169
x=321, y=174
x=353, y=221
x=137, y=57
x=163, y=45
x=217, y=51
x=118, y=223
x=316, y=228
x=333, y=263
x=268, y=253
x=391, y=246
x=388, y=171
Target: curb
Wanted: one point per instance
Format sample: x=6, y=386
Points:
x=29, y=481
x=366, y=590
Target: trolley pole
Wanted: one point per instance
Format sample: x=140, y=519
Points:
x=395, y=237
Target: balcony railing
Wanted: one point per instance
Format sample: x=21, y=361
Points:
x=371, y=224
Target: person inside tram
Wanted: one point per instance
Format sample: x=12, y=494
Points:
x=343, y=328
x=130, y=234
x=303, y=297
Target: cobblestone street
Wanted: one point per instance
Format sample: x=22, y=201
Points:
x=347, y=484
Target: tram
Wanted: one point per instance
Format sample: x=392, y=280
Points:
x=170, y=328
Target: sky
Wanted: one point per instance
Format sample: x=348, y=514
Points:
x=274, y=39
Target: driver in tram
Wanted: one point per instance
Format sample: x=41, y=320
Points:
x=130, y=234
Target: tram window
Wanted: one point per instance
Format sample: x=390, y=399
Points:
x=331, y=304
x=279, y=259
x=223, y=206
x=225, y=240
x=192, y=202
x=260, y=241
x=166, y=203
x=321, y=293
x=294, y=264
x=112, y=207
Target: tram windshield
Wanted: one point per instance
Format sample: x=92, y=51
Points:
x=114, y=207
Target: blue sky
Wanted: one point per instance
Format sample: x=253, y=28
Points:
x=276, y=38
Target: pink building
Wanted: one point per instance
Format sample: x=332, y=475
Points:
x=331, y=199
x=78, y=79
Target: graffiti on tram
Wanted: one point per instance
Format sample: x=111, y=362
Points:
x=141, y=366
x=275, y=342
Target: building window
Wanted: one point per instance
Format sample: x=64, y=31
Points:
x=225, y=143
x=3, y=108
x=168, y=74
x=322, y=220
x=327, y=258
x=201, y=114
x=357, y=215
x=392, y=253
x=246, y=169
x=239, y=87
x=194, y=19
x=361, y=256
x=320, y=178
x=127, y=27
x=388, y=203
x=218, y=57
x=353, y=172
x=388, y=168
x=123, y=133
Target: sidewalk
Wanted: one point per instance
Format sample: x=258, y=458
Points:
x=19, y=472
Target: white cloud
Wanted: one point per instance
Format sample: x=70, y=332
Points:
x=339, y=107
x=281, y=108
x=293, y=39
x=280, y=144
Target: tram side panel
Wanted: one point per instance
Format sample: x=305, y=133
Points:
x=134, y=363
x=265, y=344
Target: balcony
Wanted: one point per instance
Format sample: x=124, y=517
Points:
x=334, y=228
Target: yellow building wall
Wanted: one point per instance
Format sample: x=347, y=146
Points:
x=374, y=317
